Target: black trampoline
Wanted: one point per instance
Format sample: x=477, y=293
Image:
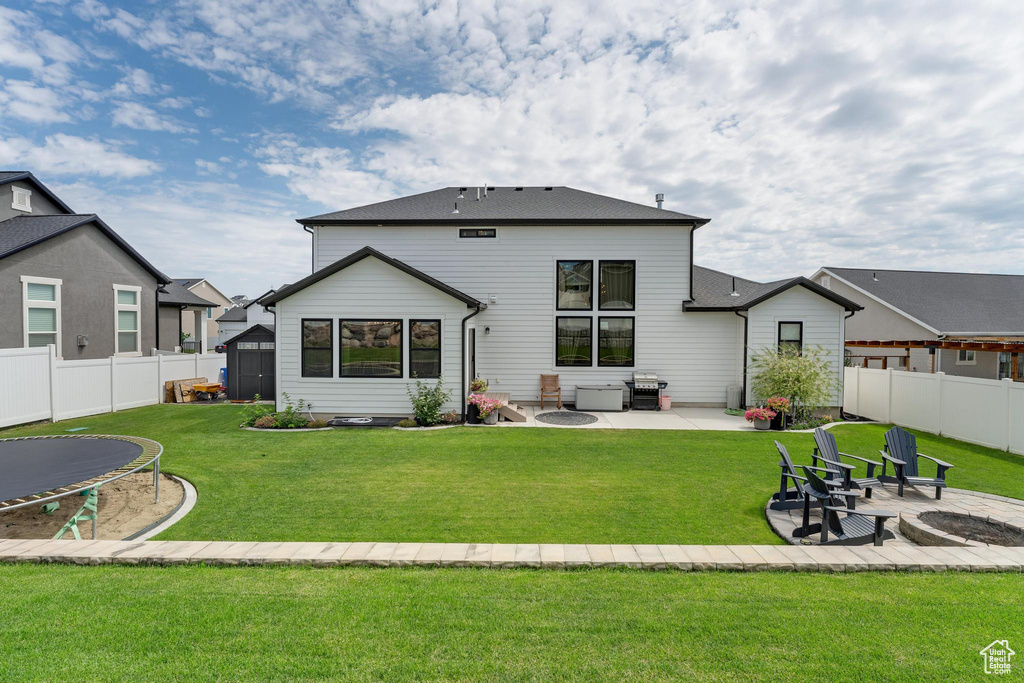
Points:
x=38, y=469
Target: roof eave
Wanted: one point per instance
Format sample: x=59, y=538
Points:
x=43, y=188
x=683, y=222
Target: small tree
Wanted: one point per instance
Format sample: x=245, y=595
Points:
x=806, y=378
x=427, y=400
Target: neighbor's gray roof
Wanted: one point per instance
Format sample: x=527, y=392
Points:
x=21, y=232
x=176, y=295
x=188, y=281
x=12, y=176
x=952, y=303
x=549, y=204
x=712, y=291
x=236, y=314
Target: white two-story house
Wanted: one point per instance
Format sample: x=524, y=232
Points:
x=508, y=283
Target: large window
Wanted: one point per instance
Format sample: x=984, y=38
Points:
x=317, y=348
x=371, y=348
x=575, y=285
x=617, y=285
x=126, y=320
x=791, y=336
x=615, y=342
x=41, y=308
x=573, y=342
x=425, y=348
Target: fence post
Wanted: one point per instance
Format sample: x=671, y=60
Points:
x=888, y=395
x=53, y=382
x=195, y=357
x=938, y=427
x=113, y=384
x=159, y=378
x=1007, y=383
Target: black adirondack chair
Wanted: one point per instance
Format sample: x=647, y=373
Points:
x=827, y=450
x=858, y=527
x=901, y=451
x=792, y=499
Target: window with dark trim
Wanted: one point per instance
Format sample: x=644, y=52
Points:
x=478, y=232
x=617, y=289
x=370, y=348
x=574, y=285
x=425, y=349
x=574, y=342
x=317, y=348
x=791, y=336
x=615, y=341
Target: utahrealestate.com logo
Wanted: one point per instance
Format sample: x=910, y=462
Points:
x=997, y=657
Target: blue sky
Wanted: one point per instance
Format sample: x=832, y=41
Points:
x=857, y=134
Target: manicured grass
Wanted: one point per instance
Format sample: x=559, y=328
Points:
x=144, y=623
x=491, y=485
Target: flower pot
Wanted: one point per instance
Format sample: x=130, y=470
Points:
x=472, y=415
x=762, y=424
x=491, y=419
x=779, y=422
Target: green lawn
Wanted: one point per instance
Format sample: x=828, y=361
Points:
x=490, y=485
x=143, y=623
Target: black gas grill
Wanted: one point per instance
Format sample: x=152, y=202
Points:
x=645, y=391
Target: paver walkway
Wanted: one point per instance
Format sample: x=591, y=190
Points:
x=497, y=555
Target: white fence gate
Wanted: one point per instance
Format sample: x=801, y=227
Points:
x=34, y=385
x=982, y=411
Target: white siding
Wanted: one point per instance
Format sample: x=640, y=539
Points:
x=374, y=290
x=231, y=328
x=698, y=353
x=823, y=326
x=257, y=315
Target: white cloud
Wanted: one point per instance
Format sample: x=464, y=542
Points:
x=141, y=117
x=63, y=155
x=29, y=102
x=138, y=82
x=25, y=44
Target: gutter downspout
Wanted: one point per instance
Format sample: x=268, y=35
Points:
x=480, y=308
x=745, y=323
x=156, y=301
x=850, y=314
x=312, y=250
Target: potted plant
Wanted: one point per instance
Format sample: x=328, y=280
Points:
x=477, y=386
x=779, y=404
x=486, y=408
x=761, y=417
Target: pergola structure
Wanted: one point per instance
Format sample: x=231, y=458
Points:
x=1013, y=347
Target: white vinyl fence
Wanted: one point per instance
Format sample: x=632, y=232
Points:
x=34, y=385
x=982, y=411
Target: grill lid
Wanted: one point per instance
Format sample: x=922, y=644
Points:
x=645, y=380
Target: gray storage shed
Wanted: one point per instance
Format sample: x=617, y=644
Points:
x=251, y=363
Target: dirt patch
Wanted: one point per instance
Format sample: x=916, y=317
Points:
x=125, y=506
x=974, y=529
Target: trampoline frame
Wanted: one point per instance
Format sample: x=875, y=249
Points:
x=151, y=452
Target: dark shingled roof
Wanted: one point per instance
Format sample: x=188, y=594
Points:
x=176, y=295
x=7, y=176
x=505, y=205
x=712, y=291
x=237, y=314
x=951, y=303
x=12, y=176
x=21, y=232
x=265, y=326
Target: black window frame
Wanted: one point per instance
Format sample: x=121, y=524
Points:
x=558, y=272
x=302, y=347
x=590, y=360
x=632, y=344
x=778, y=334
x=474, y=233
x=599, y=273
x=401, y=349
x=440, y=346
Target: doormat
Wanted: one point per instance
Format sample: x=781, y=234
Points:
x=364, y=421
x=566, y=418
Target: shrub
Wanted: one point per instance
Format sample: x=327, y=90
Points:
x=316, y=424
x=427, y=401
x=266, y=422
x=452, y=417
x=807, y=379
x=255, y=411
x=478, y=385
x=408, y=423
x=292, y=416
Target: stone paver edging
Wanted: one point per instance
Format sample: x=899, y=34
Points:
x=499, y=555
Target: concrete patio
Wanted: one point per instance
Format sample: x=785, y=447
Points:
x=677, y=418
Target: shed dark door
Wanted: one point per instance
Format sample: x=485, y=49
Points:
x=255, y=373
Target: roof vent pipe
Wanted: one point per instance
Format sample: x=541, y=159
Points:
x=734, y=292
x=874, y=276
x=660, y=198
x=485, y=189
x=478, y=194
x=456, y=208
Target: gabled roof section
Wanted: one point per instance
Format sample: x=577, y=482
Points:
x=358, y=256
x=960, y=304
x=237, y=314
x=512, y=205
x=173, y=294
x=269, y=328
x=14, y=176
x=713, y=291
x=261, y=297
x=21, y=232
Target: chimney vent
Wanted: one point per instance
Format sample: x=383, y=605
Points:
x=734, y=292
x=456, y=208
x=874, y=276
x=661, y=198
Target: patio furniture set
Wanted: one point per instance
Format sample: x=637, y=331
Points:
x=832, y=487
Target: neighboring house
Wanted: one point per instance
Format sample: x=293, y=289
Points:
x=240, y=318
x=68, y=279
x=178, y=304
x=203, y=330
x=965, y=324
x=509, y=283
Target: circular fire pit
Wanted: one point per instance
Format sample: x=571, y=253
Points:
x=943, y=528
